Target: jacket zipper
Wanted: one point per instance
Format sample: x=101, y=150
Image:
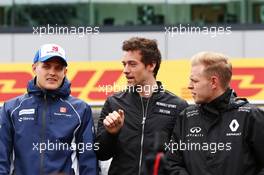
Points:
x=144, y=111
x=43, y=138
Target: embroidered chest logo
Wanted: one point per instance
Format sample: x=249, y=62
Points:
x=62, y=112
x=233, y=126
x=23, y=115
x=195, y=132
x=63, y=109
x=166, y=105
x=192, y=113
x=26, y=111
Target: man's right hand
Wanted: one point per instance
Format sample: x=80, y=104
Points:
x=114, y=121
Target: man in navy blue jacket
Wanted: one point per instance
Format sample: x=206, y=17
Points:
x=47, y=131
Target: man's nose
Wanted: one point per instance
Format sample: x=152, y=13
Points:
x=190, y=85
x=126, y=69
x=52, y=71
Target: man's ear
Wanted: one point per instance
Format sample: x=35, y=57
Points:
x=152, y=66
x=214, y=81
x=65, y=71
x=34, y=67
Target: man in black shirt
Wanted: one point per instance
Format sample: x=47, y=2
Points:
x=130, y=119
x=222, y=134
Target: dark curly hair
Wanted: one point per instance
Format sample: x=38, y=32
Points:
x=148, y=49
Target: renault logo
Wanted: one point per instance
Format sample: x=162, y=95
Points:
x=195, y=130
x=234, y=125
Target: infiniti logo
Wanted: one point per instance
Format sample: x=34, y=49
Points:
x=195, y=130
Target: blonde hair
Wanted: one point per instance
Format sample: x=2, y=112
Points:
x=216, y=64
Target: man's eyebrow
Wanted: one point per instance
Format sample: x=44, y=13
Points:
x=191, y=78
x=131, y=61
x=54, y=63
x=45, y=63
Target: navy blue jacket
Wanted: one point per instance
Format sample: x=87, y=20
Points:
x=47, y=132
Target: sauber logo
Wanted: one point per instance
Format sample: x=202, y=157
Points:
x=248, y=82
